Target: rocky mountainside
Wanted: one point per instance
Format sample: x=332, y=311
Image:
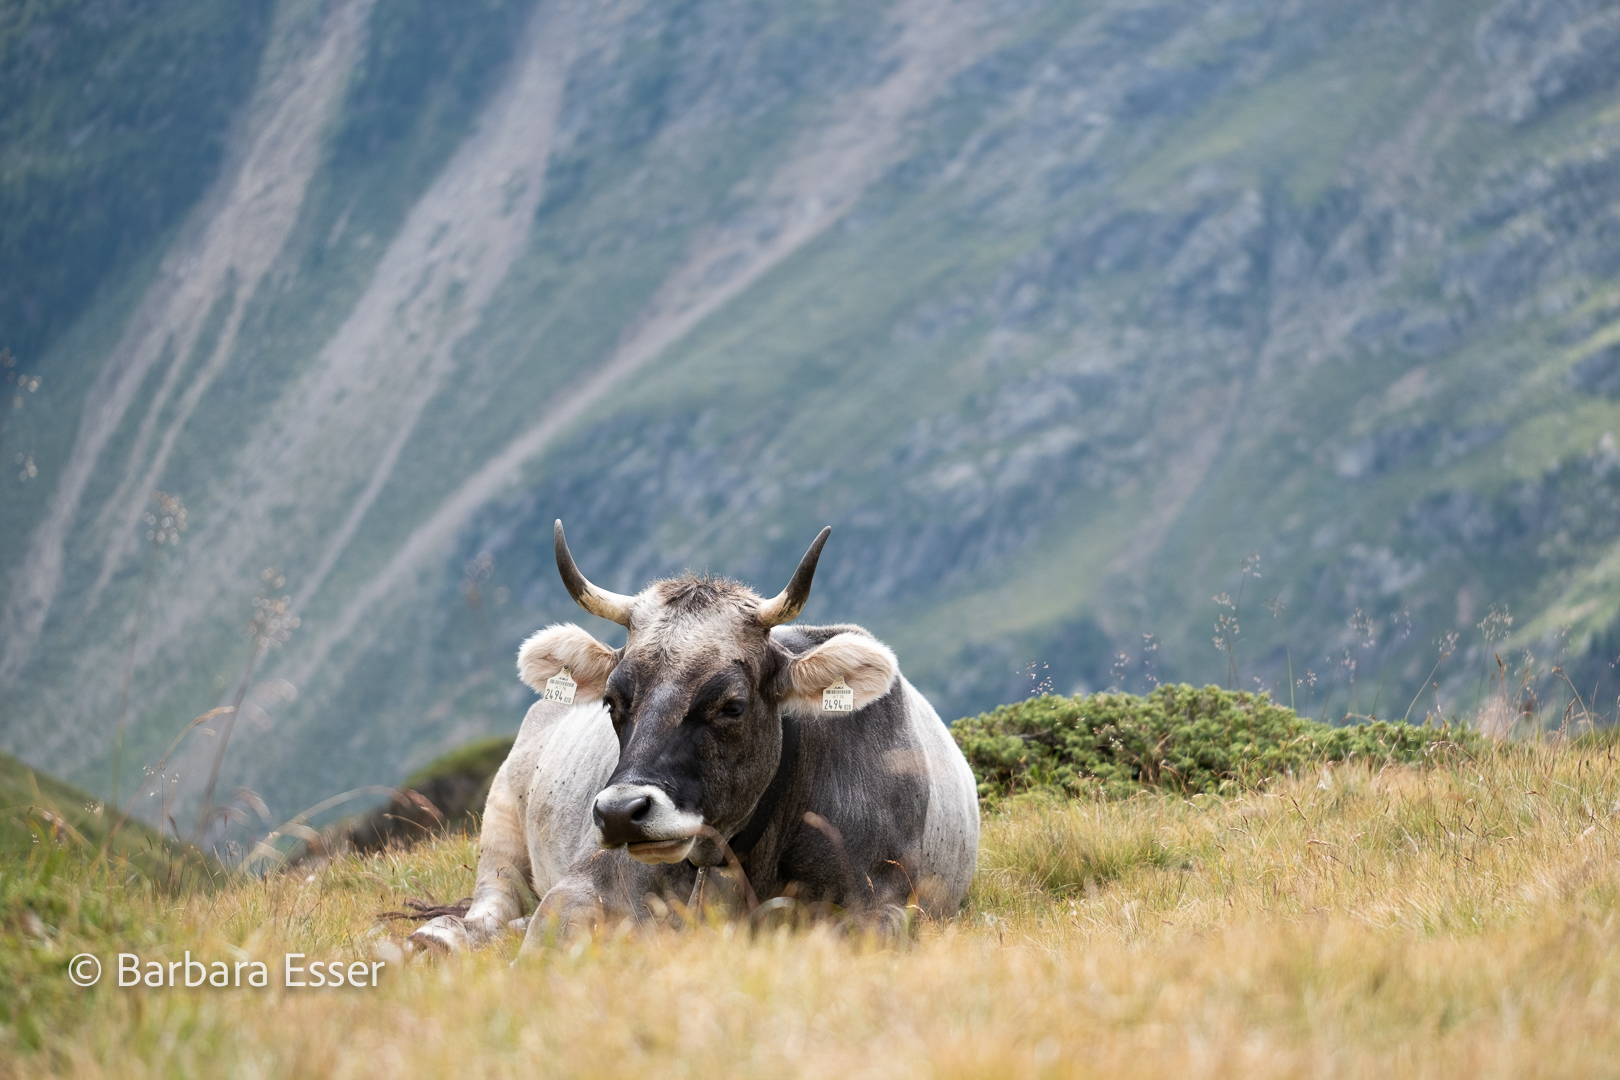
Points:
x=1068, y=317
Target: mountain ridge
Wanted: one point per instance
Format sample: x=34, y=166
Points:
x=1056, y=312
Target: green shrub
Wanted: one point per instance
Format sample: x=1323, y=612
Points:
x=1178, y=738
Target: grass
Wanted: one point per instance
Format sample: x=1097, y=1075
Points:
x=1361, y=920
x=36, y=809
x=70, y=879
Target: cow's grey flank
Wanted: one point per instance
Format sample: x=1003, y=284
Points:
x=702, y=743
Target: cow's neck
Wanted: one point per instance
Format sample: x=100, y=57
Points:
x=747, y=836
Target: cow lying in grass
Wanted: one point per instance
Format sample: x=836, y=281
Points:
x=710, y=741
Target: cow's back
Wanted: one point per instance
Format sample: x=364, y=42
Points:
x=950, y=848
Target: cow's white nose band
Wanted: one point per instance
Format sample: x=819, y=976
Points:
x=658, y=822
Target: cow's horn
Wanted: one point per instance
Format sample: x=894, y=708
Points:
x=787, y=604
x=609, y=605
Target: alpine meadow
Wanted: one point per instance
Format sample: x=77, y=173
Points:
x=1214, y=404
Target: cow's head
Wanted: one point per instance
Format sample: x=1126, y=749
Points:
x=696, y=698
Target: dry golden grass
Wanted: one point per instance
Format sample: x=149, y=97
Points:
x=1452, y=922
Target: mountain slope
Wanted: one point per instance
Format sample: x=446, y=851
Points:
x=1056, y=312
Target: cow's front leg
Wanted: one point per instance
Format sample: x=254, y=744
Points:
x=602, y=889
x=894, y=897
x=503, y=867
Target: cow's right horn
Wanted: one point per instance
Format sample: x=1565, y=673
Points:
x=787, y=604
x=609, y=605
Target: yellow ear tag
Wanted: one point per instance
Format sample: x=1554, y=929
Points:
x=560, y=688
x=838, y=697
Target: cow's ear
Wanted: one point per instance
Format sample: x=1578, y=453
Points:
x=865, y=664
x=589, y=662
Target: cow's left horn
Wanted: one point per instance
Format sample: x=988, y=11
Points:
x=787, y=604
x=609, y=605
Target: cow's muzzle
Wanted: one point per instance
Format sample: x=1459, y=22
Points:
x=642, y=819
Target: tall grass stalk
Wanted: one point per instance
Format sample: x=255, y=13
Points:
x=113, y=802
x=165, y=522
x=1280, y=611
x=1448, y=645
x=1495, y=626
x=16, y=384
x=161, y=768
x=205, y=813
x=1227, y=627
x=271, y=625
x=1383, y=664
x=475, y=575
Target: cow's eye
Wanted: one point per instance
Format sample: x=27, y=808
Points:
x=732, y=709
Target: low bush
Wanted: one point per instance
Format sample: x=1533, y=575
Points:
x=1178, y=738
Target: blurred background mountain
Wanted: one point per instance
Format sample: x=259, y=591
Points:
x=1266, y=342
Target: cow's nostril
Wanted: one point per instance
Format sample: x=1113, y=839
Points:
x=621, y=817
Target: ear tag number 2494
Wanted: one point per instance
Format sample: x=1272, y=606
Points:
x=560, y=688
x=838, y=697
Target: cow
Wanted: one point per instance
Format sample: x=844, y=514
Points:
x=704, y=743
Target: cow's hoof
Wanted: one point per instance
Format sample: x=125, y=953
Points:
x=448, y=934
x=483, y=929
x=442, y=936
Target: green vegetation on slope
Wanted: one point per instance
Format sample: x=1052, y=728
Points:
x=36, y=808
x=65, y=889
x=1177, y=738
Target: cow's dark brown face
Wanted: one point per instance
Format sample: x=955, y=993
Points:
x=696, y=699
x=696, y=705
